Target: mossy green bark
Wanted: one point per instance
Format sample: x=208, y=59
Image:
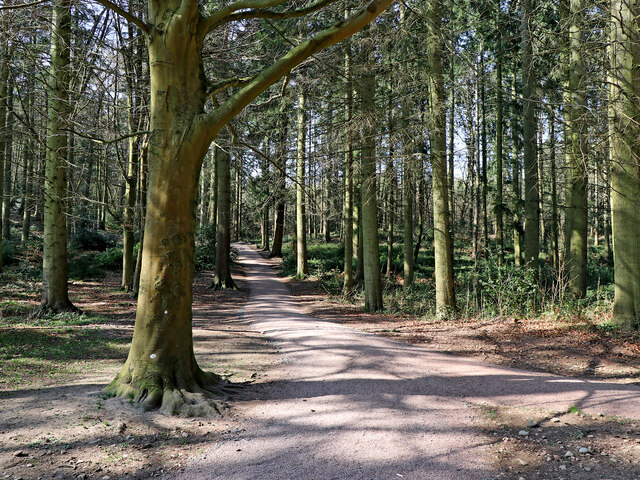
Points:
x=625, y=161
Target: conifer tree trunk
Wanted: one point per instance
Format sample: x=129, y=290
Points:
x=392, y=185
x=55, y=296
x=371, y=253
x=348, y=175
x=576, y=158
x=499, y=207
x=222, y=277
x=625, y=163
x=278, y=234
x=445, y=294
x=531, y=195
x=555, y=254
x=516, y=172
x=301, y=230
x=4, y=76
x=8, y=161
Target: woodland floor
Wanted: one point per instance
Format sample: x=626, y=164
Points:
x=55, y=424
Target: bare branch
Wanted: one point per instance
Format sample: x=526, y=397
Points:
x=23, y=5
x=126, y=15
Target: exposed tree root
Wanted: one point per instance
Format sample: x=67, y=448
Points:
x=46, y=310
x=204, y=396
x=219, y=284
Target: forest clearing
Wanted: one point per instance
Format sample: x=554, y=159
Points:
x=448, y=190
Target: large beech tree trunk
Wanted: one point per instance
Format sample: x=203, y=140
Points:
x=161, y=369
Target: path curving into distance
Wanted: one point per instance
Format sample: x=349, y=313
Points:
x=353, y=405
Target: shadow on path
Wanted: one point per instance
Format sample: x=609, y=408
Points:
x=348, y=404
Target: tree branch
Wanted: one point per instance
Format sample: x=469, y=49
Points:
x=215, y=19
x=210, y=124
x=265, y=13
x=227, y=83
x=126, y=15
x=23, y=5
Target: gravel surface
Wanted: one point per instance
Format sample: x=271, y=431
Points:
x=350, y=405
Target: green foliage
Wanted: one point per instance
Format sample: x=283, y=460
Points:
x=82, y=267
x=418, y=298
x=599, y=268
x=9, y=252
x=490, y=290
x=205, y=255
x=111, y=258
x=324, y=259
x=85, y=239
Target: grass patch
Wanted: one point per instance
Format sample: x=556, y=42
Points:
x=28, y=354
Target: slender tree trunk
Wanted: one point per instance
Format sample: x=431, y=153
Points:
x=483, y=148
x=445, y=294
x=55, y=295
x=4, y=76
x=516, y=172
x=278, y=234
x=348, y=175
x=392, y=185
x=8, y=161
x=371, y=254
x=625, y=165
x=577, y=167
x=301, y=231
x=452, y=130
x=222, y=277
x=555, y=254
x=499, y=202
x=531, y=197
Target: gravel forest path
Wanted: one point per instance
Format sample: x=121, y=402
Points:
x=344, y=404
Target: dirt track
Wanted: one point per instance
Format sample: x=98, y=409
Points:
x=346, y=404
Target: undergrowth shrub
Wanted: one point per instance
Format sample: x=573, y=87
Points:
x=85, y=239
x=205, y=254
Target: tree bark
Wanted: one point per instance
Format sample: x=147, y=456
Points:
x=222, y=277
x=55, y=296
x=499, y=206
x=371, y=253
x=576, y=157
x=625, y=164
x=4, y=77
x=531, y=196
x=348, y=175
x=302, y=267
x=445, y=294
